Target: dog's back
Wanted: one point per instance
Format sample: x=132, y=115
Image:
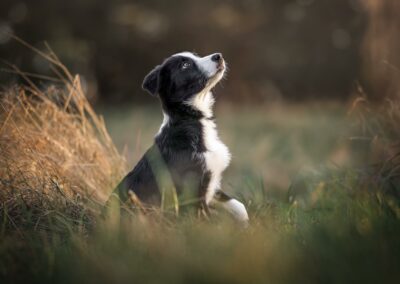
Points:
x=172, y=155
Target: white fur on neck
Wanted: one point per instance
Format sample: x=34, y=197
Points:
x=203, y=102
x=164, y=123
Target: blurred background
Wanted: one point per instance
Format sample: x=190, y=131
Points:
x=294, y=66
x=276, y=49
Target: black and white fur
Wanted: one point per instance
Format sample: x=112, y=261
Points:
x=187, y=140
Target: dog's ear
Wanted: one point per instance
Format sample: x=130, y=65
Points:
x=150, y=82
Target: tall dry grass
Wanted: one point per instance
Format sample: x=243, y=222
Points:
x=56, y=153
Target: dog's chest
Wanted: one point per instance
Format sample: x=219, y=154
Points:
x=217, y=156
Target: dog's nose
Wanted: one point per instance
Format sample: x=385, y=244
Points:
x=217, y=57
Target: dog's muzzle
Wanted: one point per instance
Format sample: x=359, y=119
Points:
x=219, y=60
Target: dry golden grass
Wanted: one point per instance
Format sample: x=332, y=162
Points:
x=54, y=150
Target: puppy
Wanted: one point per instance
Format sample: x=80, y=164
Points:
x=187, y=152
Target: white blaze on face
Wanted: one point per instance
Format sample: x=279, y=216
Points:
x=205, y=63
x=204, y=100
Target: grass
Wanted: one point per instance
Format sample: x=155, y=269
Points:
x=320, y=182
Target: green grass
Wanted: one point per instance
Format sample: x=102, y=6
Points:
x=269, y=145
x=332, y=231
x=340, y=240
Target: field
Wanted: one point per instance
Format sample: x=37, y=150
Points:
x=319, y=213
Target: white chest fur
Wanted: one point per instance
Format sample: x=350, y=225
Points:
x=217, y=156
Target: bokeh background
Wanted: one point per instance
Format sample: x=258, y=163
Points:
x=294, y=66
x=277, y=49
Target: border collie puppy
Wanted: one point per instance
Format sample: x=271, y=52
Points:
x=187, y=145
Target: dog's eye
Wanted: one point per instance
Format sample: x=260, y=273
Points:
x=185, y=65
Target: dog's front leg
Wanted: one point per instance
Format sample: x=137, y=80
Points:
x=202, y=192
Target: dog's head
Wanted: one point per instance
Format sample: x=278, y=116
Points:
x=185, y=78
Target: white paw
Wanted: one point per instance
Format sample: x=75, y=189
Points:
x=238, y=210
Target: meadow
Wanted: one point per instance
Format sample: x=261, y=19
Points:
x=320, y=181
